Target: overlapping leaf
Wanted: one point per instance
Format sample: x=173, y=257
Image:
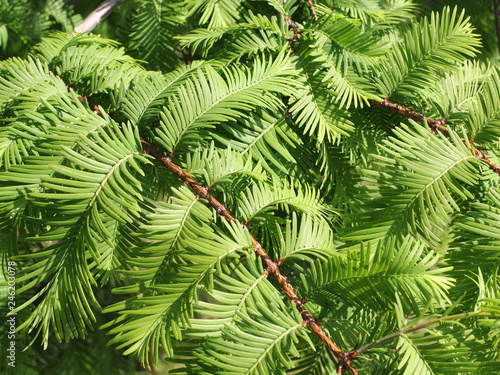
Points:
x=156, y=317
x=371, y=279
x=258, y=34
x=94, y=182
x=262, y=200
x=263, y=136
x=151, y=32
x=422, y=180
x=427, y=49
x=203, y=102
x=215, y=13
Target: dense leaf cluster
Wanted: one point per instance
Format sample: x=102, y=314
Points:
x=387, y=228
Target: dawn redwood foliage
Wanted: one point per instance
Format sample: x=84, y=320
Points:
x=251, y=187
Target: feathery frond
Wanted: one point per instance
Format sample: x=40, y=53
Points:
x=151, y=32
x=217, y=98
x=428, y=48
x=78, y=201
x=409, y=205
x=157, y=316
x=214, y=12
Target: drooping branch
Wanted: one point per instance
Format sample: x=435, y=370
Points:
x=436, y=126
x=97, y=16
x=345, y=359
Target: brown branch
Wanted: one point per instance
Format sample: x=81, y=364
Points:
x=296, y=35
x=97, y=16
x=345, y=359
x=435, y=125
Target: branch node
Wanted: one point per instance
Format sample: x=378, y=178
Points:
x=280, y=261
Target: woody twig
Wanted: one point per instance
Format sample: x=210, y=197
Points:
x=436, y=126
x=345, y=359
x=97, y=16
x=296, y=35
x=311, y=6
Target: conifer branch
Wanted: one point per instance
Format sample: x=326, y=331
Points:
x=423, y=324
x=97, y=16
x=296, y=35
x=345, y=359
x=435, y=125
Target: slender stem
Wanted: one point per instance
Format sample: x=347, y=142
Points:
x=497, y=21
x=345, y=359
x=296, y=35
x=311, y=5
x=97, y=16
x=415, y=327
x=150, y=360
x=436, y=126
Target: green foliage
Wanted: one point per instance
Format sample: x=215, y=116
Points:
x=388, y=230
x=24, y=23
